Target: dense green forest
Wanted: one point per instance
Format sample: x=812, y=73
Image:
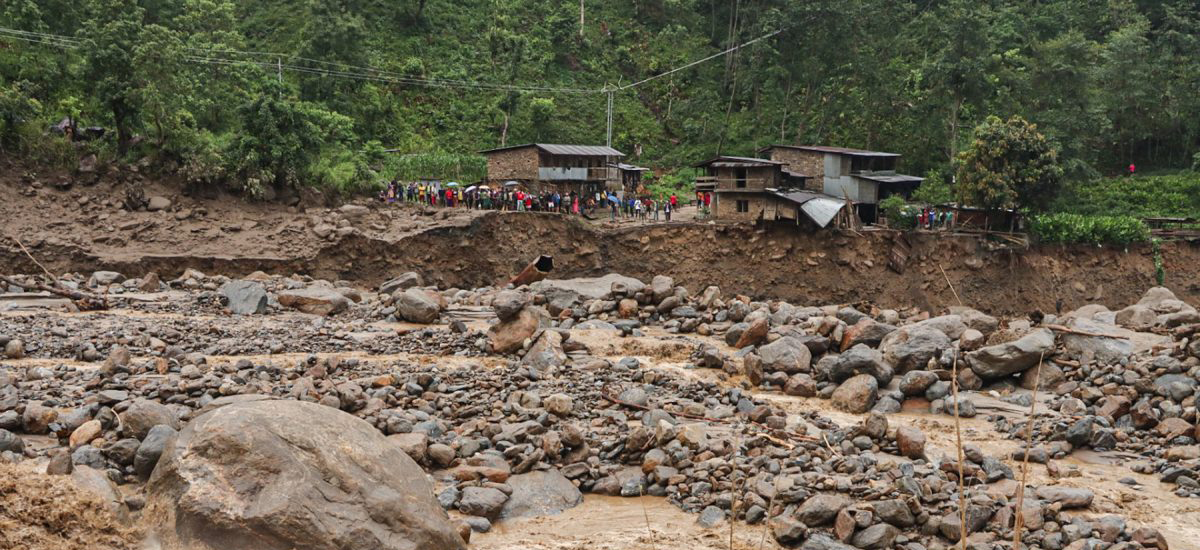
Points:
x=333, y=92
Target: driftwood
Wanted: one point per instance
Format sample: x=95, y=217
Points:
x=1185, y=330
x=84, y=301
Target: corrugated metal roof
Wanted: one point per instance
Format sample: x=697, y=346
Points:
x=792, y=174
x=894, y=178
x=628, y=167
x=837, y=150
x=738, y=162
x=819, y=207
x=558, y=149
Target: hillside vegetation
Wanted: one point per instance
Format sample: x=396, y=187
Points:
x=1109, y=82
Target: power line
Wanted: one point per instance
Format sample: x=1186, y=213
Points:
x=699, y=61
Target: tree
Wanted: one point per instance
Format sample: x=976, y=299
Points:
x=1009, y=164
x=113, y=30
x=541, y=111
x=281, y=137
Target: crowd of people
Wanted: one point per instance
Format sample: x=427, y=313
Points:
x=931, y=218
x=515, y=198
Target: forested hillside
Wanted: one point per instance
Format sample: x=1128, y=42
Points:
x=314, y=91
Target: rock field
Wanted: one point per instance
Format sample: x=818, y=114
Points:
x=285, y=412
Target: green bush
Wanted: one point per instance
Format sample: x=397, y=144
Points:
x=1077, y=228
x=1170, y=195
x=899, y=214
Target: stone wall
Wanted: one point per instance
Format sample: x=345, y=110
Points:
x=811, y=163
x=513, y=164
x=725, y=206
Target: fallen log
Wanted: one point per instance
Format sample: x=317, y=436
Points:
x=84, y=301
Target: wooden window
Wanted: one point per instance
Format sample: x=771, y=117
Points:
x=740, y=178
x=743, y=206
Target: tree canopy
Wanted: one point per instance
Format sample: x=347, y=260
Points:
x=1108, y=82
x=1009, y=164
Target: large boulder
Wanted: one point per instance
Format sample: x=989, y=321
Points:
x=866, y=331
x=143, y=414
x=590, y=288
x=244, y=297
x=282, y=475
x=950, y=325
x=1106, y=350
x=417, y=306
x=861, y=359
x=1010, y=358
x=546, y=352
x=509, y=336
x=856, y=395
x=1137, y=317
x=540, y=493
x=787, y=354
x=911, y=348
x=976, y=319
x=508, y=303
x=403, y=282
x=314, y=300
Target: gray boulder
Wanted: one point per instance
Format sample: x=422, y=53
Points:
x=1010, y=358
x=403, y=282
x=244, y=297
x=143, y=414
x=151, y=448
x=277, y=475
x=861, y=359
x=1108, y=351
x=508, y=303
x=786, y=354
x=540, y=493
x=417, y=306
x=911, y=348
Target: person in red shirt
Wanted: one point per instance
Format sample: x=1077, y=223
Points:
x=1132, y=168
x=674, y=201
x=449, y=197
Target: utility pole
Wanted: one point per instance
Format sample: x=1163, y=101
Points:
x=581, y=18
x=608, y=139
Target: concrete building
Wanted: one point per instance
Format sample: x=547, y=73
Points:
x=865, y=177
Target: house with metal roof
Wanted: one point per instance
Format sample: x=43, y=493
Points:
x=865, y=177
x=540, y=166
x=754, y=189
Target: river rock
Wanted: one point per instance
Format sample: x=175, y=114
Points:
x=1069, y=497
x=509, y=336
x=786, y=354
x=314, y=300
x=417, y=306
x=911, y=348
x=1107, y=351
x=856, y=395
x=540, y=493
x=866, y=331
x=1009, y=358
x=275, y=475
x=244, y=297
x=482, y=501
x=861, y=359
x=911, y=442
x=151, y=448
x=405, y=281
x=143, y=414
x=821, y=508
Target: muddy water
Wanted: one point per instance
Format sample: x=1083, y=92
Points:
x=614, y=523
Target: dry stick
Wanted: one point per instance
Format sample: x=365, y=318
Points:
x=962, y=490
x=1019, y=522
x=645, y=514
x=960, y=302
x=767, y=520
x=34, y=260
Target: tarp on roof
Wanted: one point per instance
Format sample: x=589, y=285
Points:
x=819, y=207
x=628, y=167
x=890, y=178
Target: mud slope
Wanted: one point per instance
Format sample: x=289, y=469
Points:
x=775, y=262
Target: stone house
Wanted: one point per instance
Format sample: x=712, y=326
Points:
x=546, y=166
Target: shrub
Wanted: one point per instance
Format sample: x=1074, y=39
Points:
x=1076, y=228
